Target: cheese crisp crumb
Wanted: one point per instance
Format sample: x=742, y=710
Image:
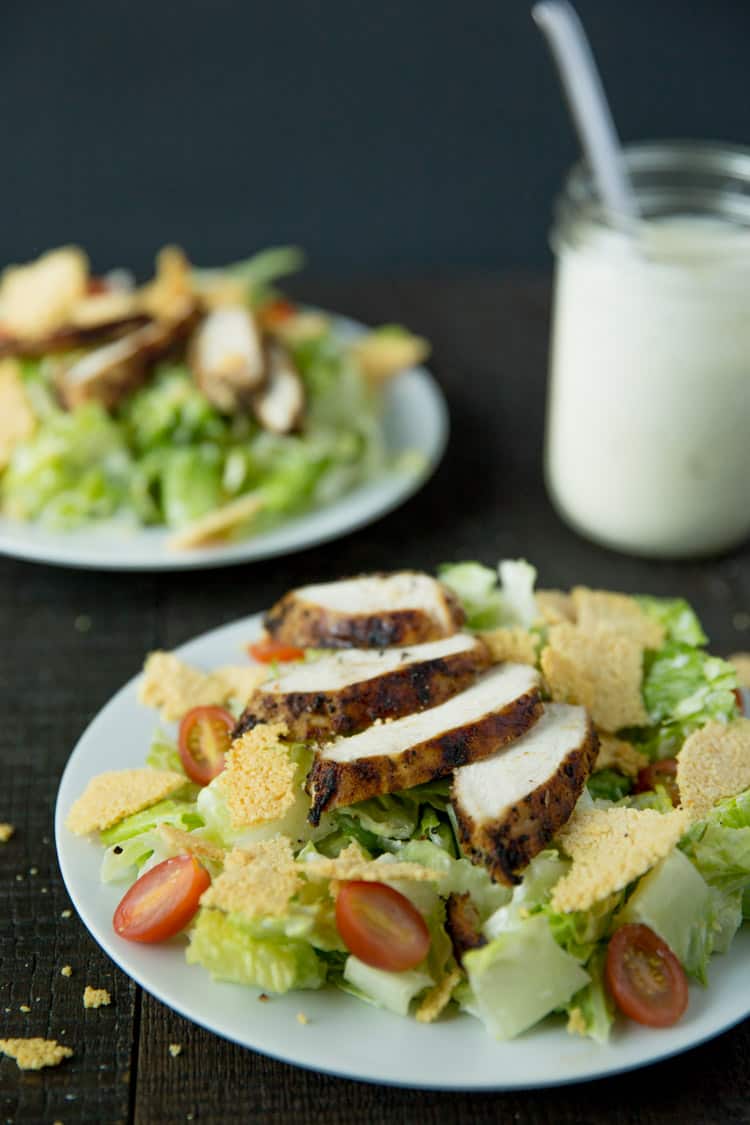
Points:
x=740, y=661
x=175, y=1049
x=555, y=607
x=66, y=971
x=601, y=670
x=576, y=1022
x=119, y=793
x=17, y=419
x=259, y=776
x=609, y=848
x=714, y=763
x=190, y=843
x=616, y=754
x=516, y=644
x=24, y=1008
x=302, y=1018
x=96, y=997
x=174, y=687
x=6, y=831
x=33, y=1054
x=217, y=525
x=600, y=609
x=438, y=997
x=352, y=864
x=257, y=880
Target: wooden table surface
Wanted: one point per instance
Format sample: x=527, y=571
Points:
x=486, y=501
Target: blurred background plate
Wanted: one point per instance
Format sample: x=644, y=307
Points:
x=415, y=420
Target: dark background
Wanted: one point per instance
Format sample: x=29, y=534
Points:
x=400, y=136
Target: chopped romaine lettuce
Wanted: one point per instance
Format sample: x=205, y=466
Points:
x=593, y=1004
x=609, y=785
x=493, y=598
x=530, y=895
x=683, y=688
x=579, y=931
x=182, y=814
x=520, y=977
x=678, y=618
x=230, y=951
x=394, y=991
x=459, y=876
x=719, y=845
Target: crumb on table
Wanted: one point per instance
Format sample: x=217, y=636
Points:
x=175, y=1049
x=6, y=831
x=66, y=971
x=95, y=997
x=33, y=1054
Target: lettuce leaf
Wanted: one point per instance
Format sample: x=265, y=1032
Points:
x=181, y=814
x=229, y=950
x=493, y=598
x=593, y=1004
x=683, y=688
x=678, y=618
x=394, y=991
x=719, y=845
x=609, y=785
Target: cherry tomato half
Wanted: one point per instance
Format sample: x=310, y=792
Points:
x=204, y=738
x=276, y=312
x=380, y=926
x=663, y=773
x=269, y=651
x=163, y=901
x=645, y=978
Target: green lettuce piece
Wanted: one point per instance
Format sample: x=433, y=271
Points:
x=676, y=903
x=609, y=785
x=746, y=903
x=678, y=618
x=265, y=267
x=530, y=896
x=123, y=862
x=163, y=754
x=520, y=977
x=477, y=589
x=580, y=931
x=727, y=918
x=459, y=876
x=593, y=1003
x=719, y=845
x=181, y=814
x=394, y=991
x=517, y=580
x=190, y=484
x=228, y=949
x=683, y=688
x=170, y=411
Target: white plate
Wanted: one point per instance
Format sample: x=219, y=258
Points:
x=344, y=1036
x=415, y=418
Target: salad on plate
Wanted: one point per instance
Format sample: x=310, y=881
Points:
x=441, y=794
x=203, y=401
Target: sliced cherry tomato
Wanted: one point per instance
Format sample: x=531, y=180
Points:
x=276, y=312
x=381, y=926
x=663, y=773
x=205, y=736
x=163, y=901
x=645, y=978
x=269, y=651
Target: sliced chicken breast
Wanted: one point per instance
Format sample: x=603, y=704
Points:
x=348, y=690
x=227, y=358
x=498, y=708
x=371, y=611
x=280, y=405
x=510, y=805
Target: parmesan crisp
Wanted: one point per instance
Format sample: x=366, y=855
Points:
x=601, y=609
x=351, y=863
x=438, y=998
x=259, y=776
x=119, y=793
x=515, y=644
x=259, y=880
x=610, y=848
x=174, y=687
x=714, y=763
x=617, y=754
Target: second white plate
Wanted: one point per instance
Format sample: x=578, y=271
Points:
x=345, y=1036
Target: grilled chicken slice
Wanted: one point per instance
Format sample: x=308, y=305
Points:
x=351, y=688
x=280, y=405
x=463, y=925
x=371, y=611
x=110, y=372
x=72, y=336
x=510, y=805
x=498, y=708
x=227, y=358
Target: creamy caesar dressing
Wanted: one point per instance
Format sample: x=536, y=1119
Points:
x=648, y=427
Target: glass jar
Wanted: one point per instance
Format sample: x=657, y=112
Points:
x=648, y=414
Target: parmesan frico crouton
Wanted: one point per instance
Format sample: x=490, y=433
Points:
x=554, y=607
x=259, y=776
x=740, y=661
x=713, y=763
x=175, y=687
x=96, y=997
x=6, y=831
x=119, y=793
x=515, y=644
x=601, y=670
x=216, y=526
x=352, y=863
x=17, y=419
x=616, y=754
x=33, y=1054
x=576, y=1024
x=190, y=843
x=600, y=609
x=438, y=997
x=258, y=880
x=36, y=299
x=609, y=848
